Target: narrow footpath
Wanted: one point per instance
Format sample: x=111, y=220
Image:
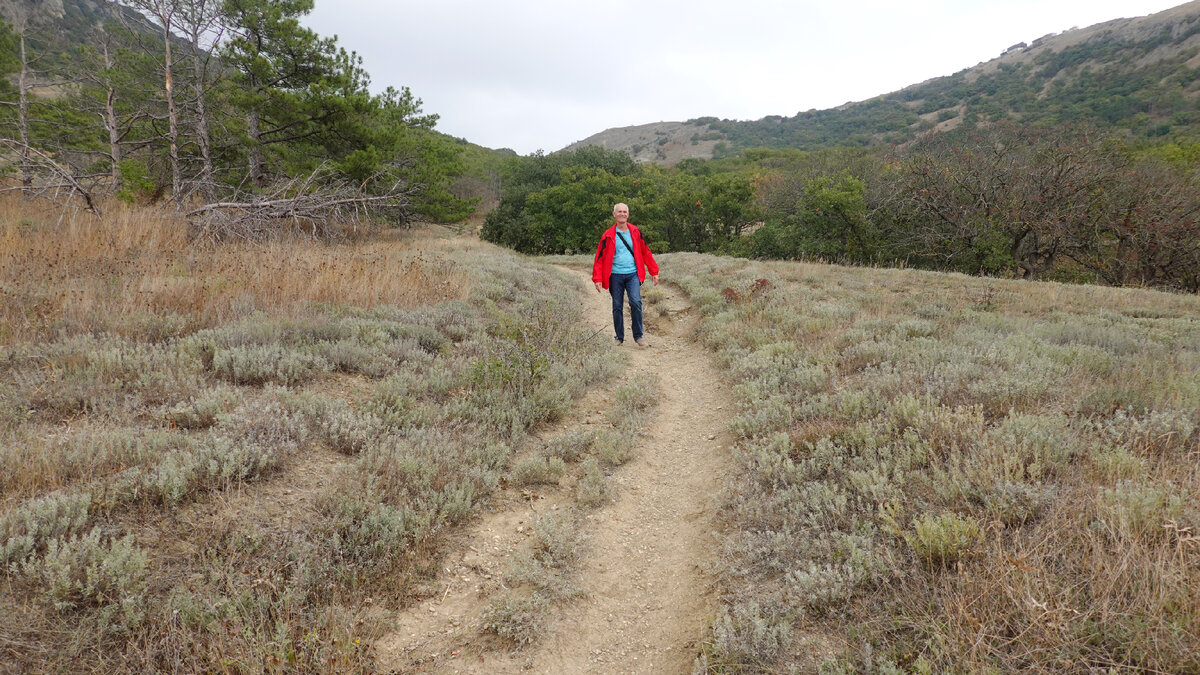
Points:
x=647, y=596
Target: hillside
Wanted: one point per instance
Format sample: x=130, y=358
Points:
x=1140, y=74
x=660, y=142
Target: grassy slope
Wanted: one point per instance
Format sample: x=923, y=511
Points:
x=224, y=458
x=942, y=473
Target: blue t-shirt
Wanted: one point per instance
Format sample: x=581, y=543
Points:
x=623, y=262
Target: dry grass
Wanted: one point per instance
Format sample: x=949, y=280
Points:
x=80, y=273
x=224, y=458
x=955, y=474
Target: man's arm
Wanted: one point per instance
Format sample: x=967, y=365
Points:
x=596, y=262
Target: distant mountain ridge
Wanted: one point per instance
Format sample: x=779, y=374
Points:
x=1141, y=74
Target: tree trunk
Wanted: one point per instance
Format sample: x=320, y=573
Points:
x=256, y=153
x=207, y=186
x=23, y=113
x=172, y=115
x=199, y=19
x=111, y=123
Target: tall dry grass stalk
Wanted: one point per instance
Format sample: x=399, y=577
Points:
x=79, y=273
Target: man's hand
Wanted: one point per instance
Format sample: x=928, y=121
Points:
x=655, y=278
x=599, y=288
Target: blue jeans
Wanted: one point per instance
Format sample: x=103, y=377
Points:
x=618, y=286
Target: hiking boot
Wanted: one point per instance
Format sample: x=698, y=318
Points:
x=642, y=342
x=619, y=341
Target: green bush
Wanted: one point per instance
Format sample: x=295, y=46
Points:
x=137, y=187
x=943, y=539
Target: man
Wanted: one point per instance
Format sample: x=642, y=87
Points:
x=622, y=260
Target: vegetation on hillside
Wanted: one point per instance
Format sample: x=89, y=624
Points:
x=1065, y=203
x=233, y=105
x=560, y=203
x=941, y=473
x=1139, y=83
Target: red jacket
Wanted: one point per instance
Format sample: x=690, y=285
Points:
x=642, y=257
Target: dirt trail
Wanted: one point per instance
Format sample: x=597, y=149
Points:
x=647, y=597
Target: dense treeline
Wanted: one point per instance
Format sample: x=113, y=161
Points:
x=997, y=199
x=214, y=102
x=561, y=202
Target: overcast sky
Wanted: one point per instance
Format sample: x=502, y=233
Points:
x=542, y=74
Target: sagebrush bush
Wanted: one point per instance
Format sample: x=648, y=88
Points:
x=593, y=489
x=30, y=527
x=91, y=570
x=944, y=538
x=614, y=447
x=344, y=429
x=267, y=364
x=519, y=621
x=749, y=635
x=537, y=470
x=201, y=411
x=88, y=453
x=571, y=446
x=1139, y=511
x=86, y=374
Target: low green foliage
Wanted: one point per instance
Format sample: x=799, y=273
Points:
x=944, y=538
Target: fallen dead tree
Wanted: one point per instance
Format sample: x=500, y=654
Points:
x=316, y=205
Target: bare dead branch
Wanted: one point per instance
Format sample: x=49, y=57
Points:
x=57, y=183
x=315, y=201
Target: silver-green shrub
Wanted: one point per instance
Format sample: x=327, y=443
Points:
x=30, y=527
x=264, y=364
x=91, y=570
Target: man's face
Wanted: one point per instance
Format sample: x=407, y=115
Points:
x=621, y=213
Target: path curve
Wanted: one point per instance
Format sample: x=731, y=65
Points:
x=648, y=592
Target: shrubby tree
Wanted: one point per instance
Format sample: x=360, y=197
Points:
x=1149, y=232
x=1003, y=195
x=827, y=220
x=293, y=87
x=511, y=223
